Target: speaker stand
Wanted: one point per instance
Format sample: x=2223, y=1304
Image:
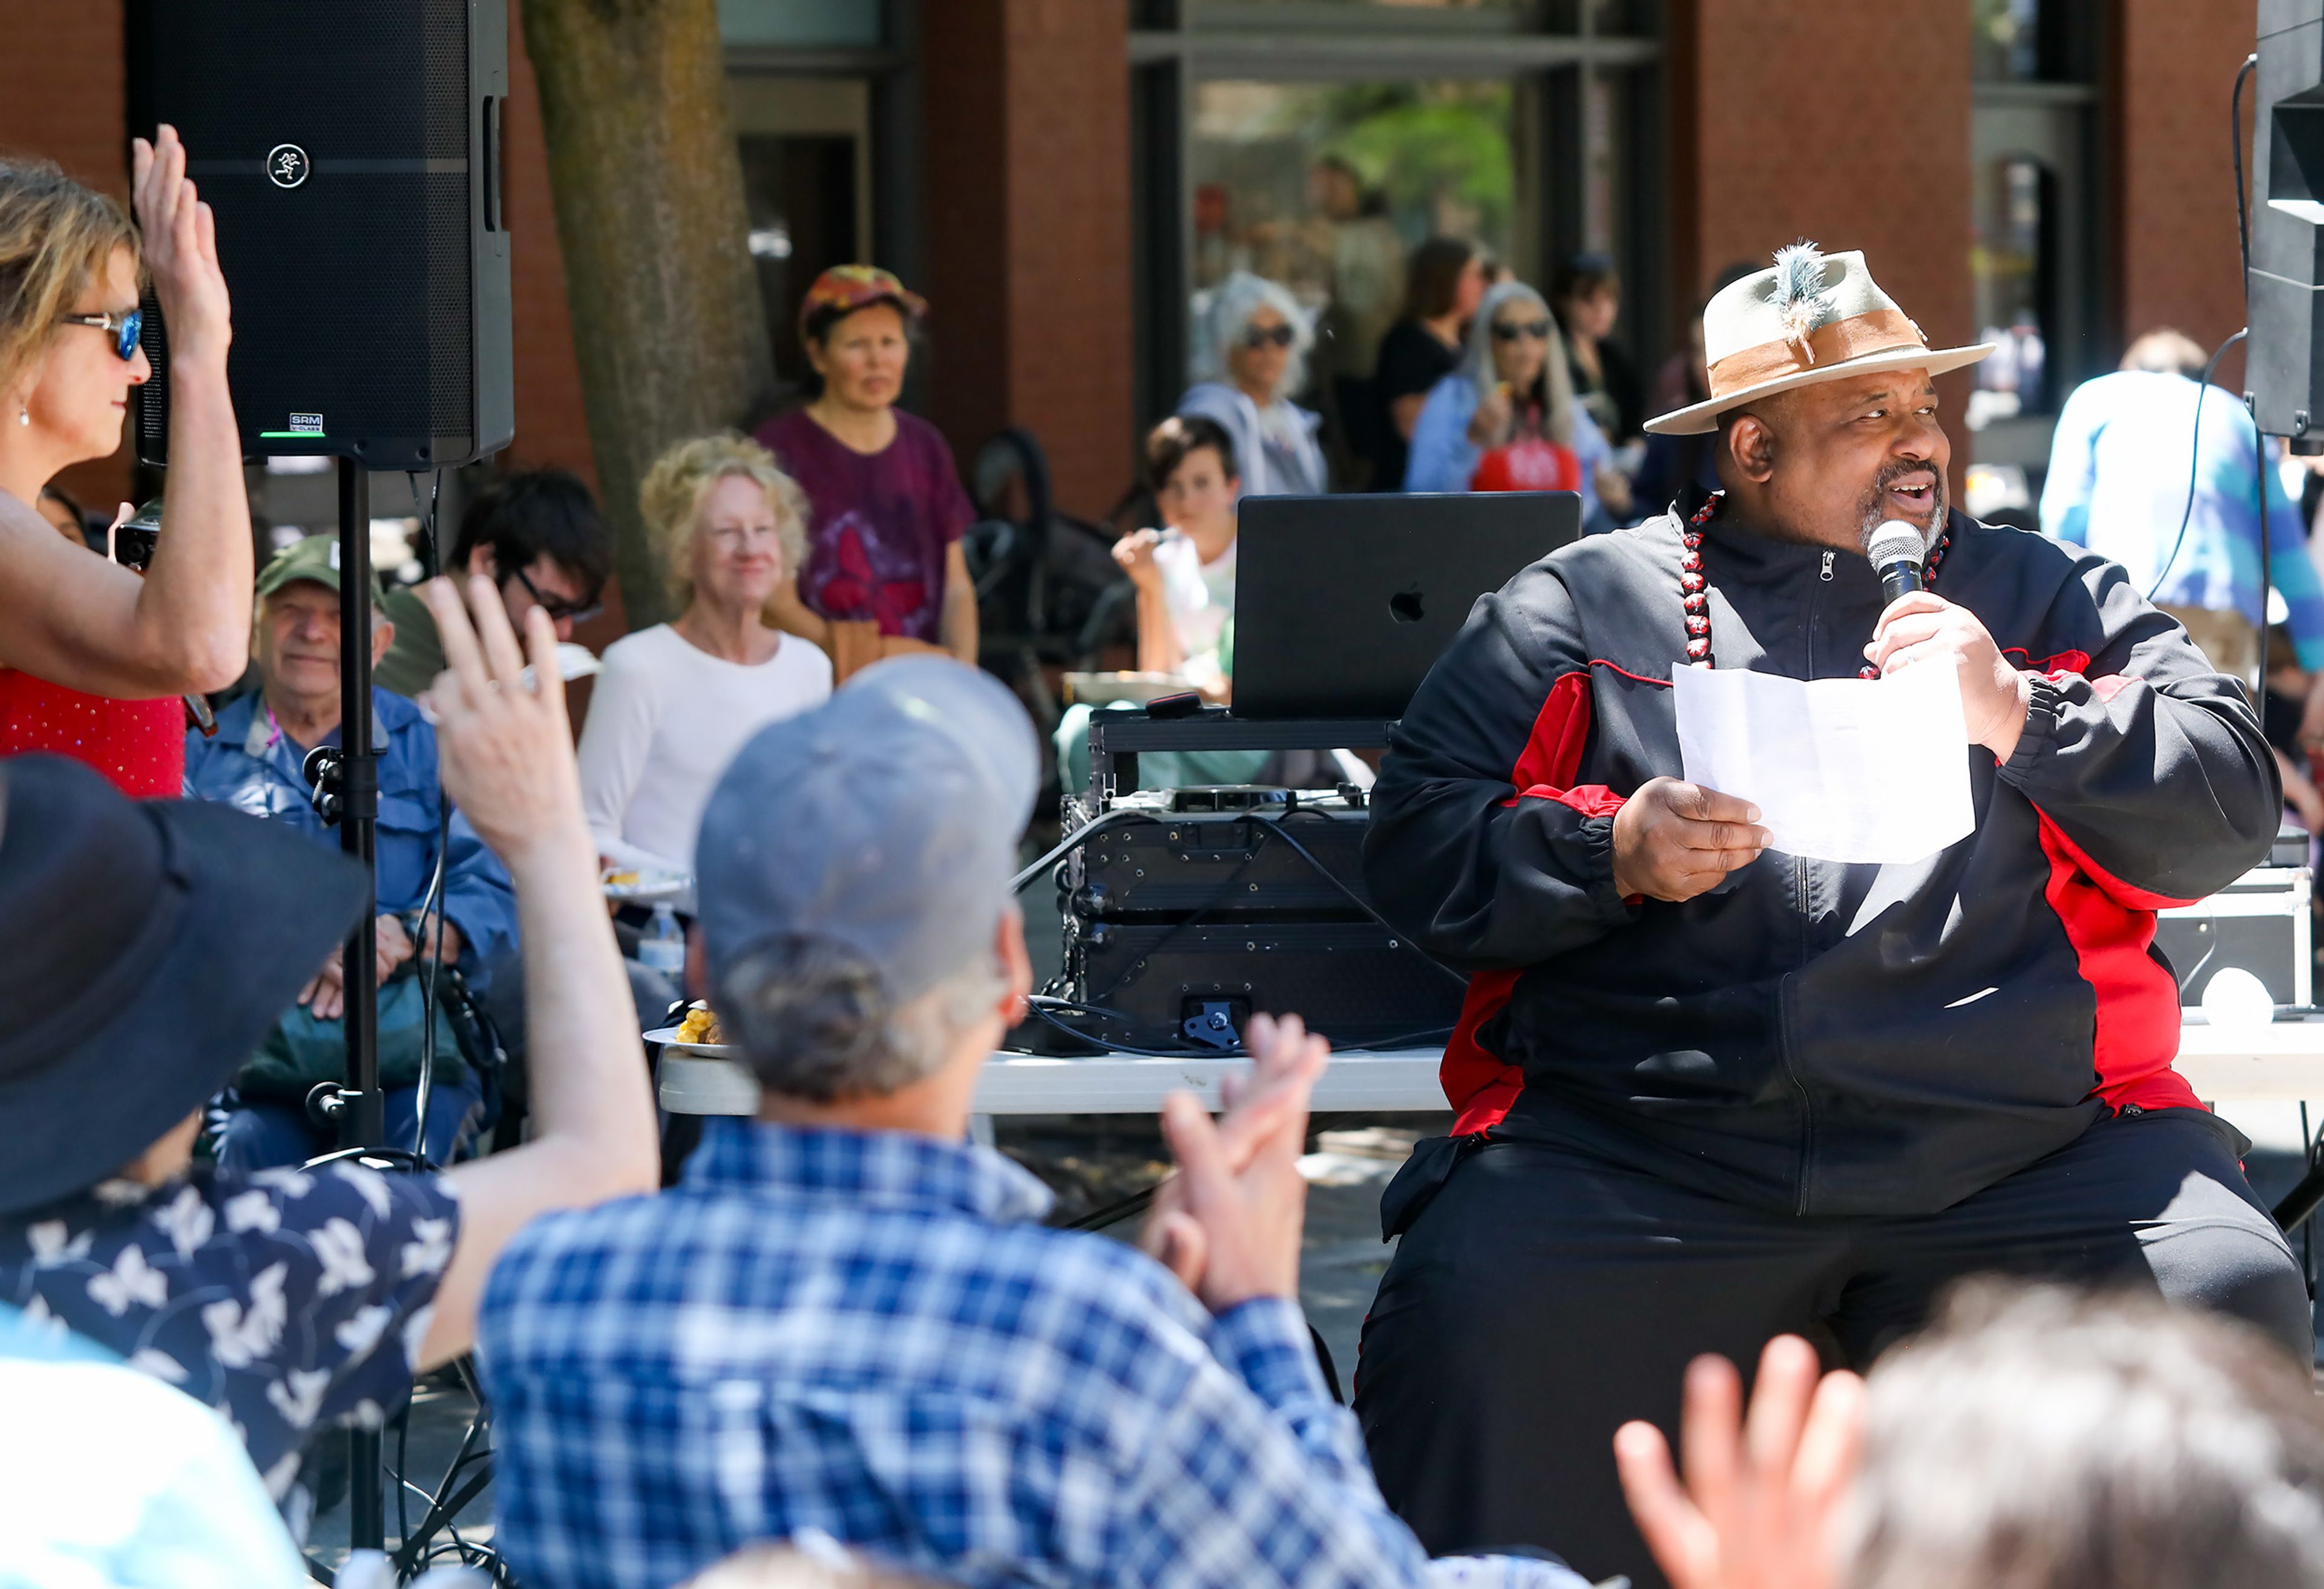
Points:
x=364, y=1122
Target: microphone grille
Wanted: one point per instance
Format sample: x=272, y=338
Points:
x=1897, y=541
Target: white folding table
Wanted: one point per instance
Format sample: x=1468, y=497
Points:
x=2282, y=1062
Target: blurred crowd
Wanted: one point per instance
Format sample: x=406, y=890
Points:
x=838, y=1343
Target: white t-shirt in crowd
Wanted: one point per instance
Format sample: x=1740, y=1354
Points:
x=1201, y=598
x=664, y=719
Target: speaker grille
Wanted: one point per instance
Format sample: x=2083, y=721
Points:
x=354, y=302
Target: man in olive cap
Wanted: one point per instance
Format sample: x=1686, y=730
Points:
x=255, y=763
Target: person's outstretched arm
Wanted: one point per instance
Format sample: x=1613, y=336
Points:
x=89, y=624
x=508, y=765
x=1250, y=1475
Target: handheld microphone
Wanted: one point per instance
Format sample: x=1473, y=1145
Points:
x=1898, y=551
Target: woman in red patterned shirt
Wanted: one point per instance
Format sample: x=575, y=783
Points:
x=92, y=659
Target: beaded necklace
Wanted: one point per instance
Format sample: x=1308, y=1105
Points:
x=1694, y=590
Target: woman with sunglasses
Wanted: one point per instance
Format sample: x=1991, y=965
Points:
x=1507, y=418
x=93, y=658
x=1257, y=357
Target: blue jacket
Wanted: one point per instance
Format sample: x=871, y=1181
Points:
x=1443, y=458
x=1272, y=463
x=2119, y=471
x=253, y=766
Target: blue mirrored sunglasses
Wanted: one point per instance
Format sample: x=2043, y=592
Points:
x=126, y=330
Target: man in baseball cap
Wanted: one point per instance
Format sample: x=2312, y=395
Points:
x=847, y=1318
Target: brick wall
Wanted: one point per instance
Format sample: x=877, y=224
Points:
x=1028, y=278
x=2174, y=182
x=1833, y=120
x=551, y=426
x=1069, y=267
x=63, y=96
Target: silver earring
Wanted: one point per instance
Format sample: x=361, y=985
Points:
x=24, y=416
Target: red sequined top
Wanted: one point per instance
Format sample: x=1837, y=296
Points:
x=139, y=746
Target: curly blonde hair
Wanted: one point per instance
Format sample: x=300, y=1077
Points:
x=671, y=500
x=55, y=238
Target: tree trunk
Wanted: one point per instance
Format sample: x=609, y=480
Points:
x=667, y=323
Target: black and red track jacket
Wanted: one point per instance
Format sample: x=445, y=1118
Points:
x=1813, y=1037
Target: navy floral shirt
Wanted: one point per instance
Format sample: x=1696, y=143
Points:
x=289, y=1299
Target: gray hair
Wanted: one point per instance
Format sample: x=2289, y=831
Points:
x=1557, y=381
x=1232, y=303
x=2040, y=1438
x=814, y=1020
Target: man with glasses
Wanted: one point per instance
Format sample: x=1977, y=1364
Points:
x=537, y=535
x=255, y=763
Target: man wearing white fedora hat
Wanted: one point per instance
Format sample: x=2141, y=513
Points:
x=1706, y=1093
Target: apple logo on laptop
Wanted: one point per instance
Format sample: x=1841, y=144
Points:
x=1405, y=607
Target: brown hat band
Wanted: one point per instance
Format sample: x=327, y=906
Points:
x=1879, y=330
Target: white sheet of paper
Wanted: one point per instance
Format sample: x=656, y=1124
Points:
x=1840, y=769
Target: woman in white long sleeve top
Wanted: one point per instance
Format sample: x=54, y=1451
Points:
x=675, y=701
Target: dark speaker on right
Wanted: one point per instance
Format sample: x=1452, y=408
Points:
x=351, y=151
x=2285, y=352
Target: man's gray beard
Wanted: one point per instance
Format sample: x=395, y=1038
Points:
x=1874, y=514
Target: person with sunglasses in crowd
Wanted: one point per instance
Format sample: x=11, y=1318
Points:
x=535, y=533
x=93, y=658
x=1255, y=357
x=1506, y=419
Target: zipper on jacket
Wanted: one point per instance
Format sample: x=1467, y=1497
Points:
x=1827, y=567
x=1785, y=992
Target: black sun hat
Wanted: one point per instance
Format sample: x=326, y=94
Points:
x=145, y=948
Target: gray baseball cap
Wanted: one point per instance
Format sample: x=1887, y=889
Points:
x=886, y=820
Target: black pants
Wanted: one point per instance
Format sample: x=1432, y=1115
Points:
x=1546, y=1295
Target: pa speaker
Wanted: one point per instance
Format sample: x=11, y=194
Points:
x=352, y=152
x=2285, y=352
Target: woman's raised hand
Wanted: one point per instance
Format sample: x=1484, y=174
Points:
x=180, y=239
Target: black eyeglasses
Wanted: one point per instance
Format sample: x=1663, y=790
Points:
x=125, y=329
x=1264, y=335
x=557, y=608
x=1511, y=330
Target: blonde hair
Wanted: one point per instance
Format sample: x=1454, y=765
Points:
x=671, y=500
x=56, y=237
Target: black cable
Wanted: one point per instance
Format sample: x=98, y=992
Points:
x=1097, y=1219
x=1282, y=830
x=2266, y=584
x=2259, y=442
x=433, y=899
x=2194, y=459
x=2236, y=147
x=431, y=980
x=1113, y=819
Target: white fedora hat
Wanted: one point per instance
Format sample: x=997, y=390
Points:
x=1814, y=317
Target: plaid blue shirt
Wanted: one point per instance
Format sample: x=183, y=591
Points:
x=866, y=1334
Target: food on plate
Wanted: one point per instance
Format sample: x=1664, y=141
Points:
x=700, y=1026
x=618, y=879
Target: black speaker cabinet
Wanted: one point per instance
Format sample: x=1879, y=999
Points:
x=2285, y=353
x=352, y=150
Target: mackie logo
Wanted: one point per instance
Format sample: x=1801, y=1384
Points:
x=287, y=165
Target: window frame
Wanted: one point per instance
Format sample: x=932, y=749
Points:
x=1545, y=50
